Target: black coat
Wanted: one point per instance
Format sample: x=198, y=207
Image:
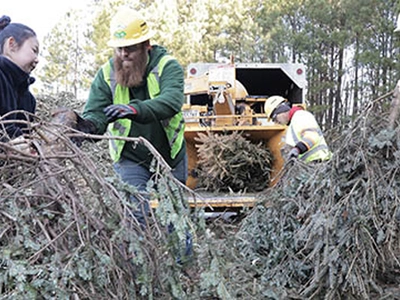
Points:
x=14, y=95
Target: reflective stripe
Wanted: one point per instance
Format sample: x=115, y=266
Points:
x=113, y=82
x=177, y=132
x=113, y=143
x=121, y=128
x=308, y=142
x=320, y=151
x=153, y=79
x=155, y=70
x=174, y=127
x=296, y=138
x=313, y=151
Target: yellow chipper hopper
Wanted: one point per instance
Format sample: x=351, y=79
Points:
x=224, y=99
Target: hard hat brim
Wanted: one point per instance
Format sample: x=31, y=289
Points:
x=116, y=43
x=271, y=104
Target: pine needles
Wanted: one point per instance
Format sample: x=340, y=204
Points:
x=325, y=231
x=67, y=229
x=331, y=230
x=230, y=162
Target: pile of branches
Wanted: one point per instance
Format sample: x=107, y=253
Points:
x=67, y=228
x=331, y=230
x=231, y=162
x=46, y=103
x=325, y=231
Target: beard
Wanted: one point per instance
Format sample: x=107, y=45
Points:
x=130, y=73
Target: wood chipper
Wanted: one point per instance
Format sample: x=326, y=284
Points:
x=225, y=98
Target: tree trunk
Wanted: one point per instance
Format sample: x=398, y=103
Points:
x=395, y=106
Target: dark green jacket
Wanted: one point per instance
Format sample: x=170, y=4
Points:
x=150, y=111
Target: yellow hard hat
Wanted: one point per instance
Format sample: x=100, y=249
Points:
x=398, y=24
x=127, y=29
x=271, y=104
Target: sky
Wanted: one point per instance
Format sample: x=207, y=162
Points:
x=40, y=15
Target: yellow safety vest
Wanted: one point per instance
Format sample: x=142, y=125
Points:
x=174, y=127
x=301, y=123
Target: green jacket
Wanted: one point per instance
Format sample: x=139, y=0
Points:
x=151, y=112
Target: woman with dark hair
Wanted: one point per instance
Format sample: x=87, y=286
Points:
x=19, y=49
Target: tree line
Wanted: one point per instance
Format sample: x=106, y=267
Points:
x=348, y=46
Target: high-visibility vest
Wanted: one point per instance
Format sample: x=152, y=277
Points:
x=302, y=127
x=173, y=127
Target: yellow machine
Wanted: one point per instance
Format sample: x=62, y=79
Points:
x=228, y=97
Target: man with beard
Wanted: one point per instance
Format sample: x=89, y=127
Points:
x=138, y=93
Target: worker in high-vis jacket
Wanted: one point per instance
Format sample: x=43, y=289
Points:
x=139, y=92
x=303, y=133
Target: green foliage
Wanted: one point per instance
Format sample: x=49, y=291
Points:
x=67, y=229
x=65, y=70
x=351, y=58
x=329, y=231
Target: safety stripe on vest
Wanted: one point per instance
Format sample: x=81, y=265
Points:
x=113, y=82
x=296, y=139
x=308, y=142
x=317, y=130
x=119, y=127
x=176, y=132
x=313, y=150
x=155, y=72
